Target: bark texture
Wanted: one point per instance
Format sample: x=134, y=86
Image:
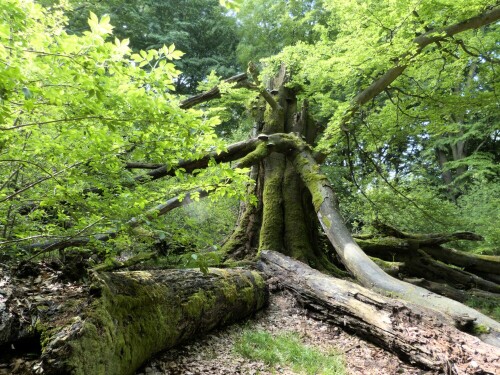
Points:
x=139, y=313
x=419, y=335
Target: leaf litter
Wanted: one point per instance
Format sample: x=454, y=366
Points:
x=214, y=353
x=43, y=295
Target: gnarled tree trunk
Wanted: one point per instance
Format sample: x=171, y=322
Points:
x=285, y=219
x=292, y=192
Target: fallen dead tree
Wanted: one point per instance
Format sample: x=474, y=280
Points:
x=395, y=245
x=421, y=336
x=135, y=314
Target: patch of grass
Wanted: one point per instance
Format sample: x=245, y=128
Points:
x=287, y=350
x=488, y=306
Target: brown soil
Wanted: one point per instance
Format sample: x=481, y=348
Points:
x=214, y=354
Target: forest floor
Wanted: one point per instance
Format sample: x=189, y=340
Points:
x=40, y=290
x=215, y=353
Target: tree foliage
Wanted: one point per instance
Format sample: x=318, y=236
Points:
x=435, y=125
x=78, y=103
x=267, y=26
x=74, y=109
x=200, y=28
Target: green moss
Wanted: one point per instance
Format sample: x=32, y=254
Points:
x=138, y=315
x=247, y=295
x=198, y=302
x=327, y=222
x=119, y=319
x=45, y=332
x=122, y=329
x=297, y=241
x=386, y=266
x=260, y=152
x=480, y=329
x=314, y=180
x=271, y=234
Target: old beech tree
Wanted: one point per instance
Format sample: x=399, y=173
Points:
x=295, y=222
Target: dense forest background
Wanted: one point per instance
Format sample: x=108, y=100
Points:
x=81, y=97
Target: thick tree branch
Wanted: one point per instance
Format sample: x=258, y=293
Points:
x=421, y=41
x=429, y=239
x=151, y=214
x=234, y=151
x=241, y=80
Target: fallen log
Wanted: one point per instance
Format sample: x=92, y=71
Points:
x=452, y=292
x=421, y=336
x=136, y=314
x=423, y=265
x=488, y=264
x=364, y=269
x=397, y=245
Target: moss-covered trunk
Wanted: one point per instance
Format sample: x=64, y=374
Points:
x=284, y=219
x=139, y=313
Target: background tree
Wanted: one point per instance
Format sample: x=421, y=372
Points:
x=202, y=29
x=266, y=27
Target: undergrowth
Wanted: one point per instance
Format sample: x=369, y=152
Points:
x=488, y=306
x=286, y=349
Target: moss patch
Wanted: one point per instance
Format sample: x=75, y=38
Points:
x=271, y=234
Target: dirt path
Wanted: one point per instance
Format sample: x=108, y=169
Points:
x=214, y=354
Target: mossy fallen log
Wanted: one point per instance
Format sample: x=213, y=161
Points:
x=136, y=314
x=421, y=336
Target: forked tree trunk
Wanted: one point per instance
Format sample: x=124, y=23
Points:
x=284, y=218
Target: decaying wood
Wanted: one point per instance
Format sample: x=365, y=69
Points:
x=395, y=244
x=423, y=265
x=139, y=313
x=449, y=291
x=488, y=264
x=421, y=336
x=361, y=266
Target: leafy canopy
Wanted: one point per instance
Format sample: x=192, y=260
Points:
x=73, y=110
x=202, y=29
x=434, y=126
